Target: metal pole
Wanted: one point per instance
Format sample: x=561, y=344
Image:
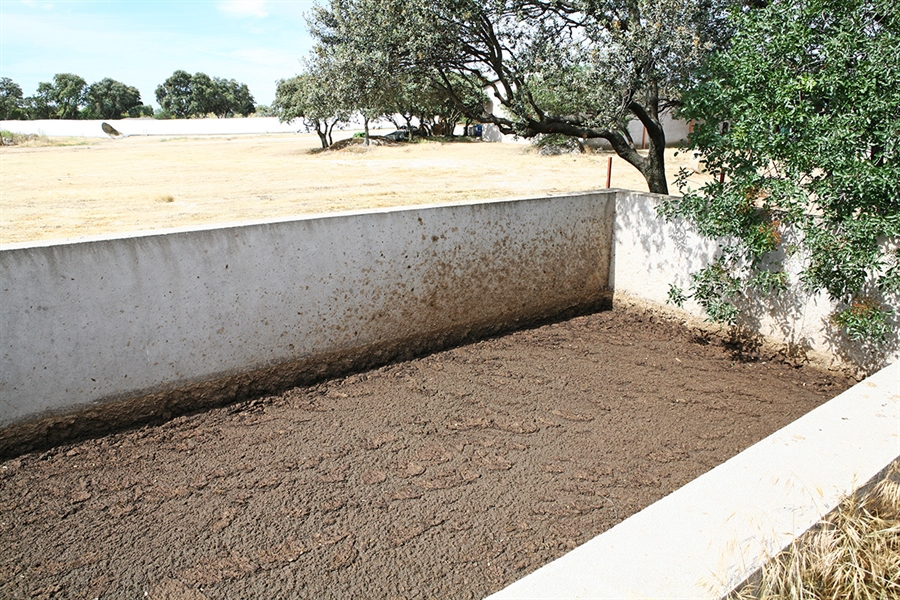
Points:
x=609, y=172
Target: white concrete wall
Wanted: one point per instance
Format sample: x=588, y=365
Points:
x=98, y=321
x=92, y=129
x=650, y=254
x=109, y=318
x=712, y=534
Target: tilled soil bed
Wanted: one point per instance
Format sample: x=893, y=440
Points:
x=449, y=476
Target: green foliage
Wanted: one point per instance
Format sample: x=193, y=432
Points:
x=184, y=95
x=232, y=98
x=144, y=110
x=175, y=95
x=41, y=105
x=68, y=95
x=61, y=99
x=554, y=143
x=12, y=103
x=313, y=99
x=715, y=289
x=110, y=99
x=568, y=67
x=203, y=95
x=865, y=320
x=802, y=112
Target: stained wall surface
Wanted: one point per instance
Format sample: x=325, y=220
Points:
x=153, y=324
x=106, y=319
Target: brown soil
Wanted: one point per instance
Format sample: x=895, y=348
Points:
x=146, y=183
x=449, y=476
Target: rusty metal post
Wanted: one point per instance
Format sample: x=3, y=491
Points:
x=609, y=172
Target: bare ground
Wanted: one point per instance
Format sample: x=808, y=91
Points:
x=449, y=476
x=147, y=183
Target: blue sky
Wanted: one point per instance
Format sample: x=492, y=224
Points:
x=142, y=43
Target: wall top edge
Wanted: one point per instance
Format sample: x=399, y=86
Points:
x=300, y=217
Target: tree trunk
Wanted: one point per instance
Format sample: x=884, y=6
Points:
x=366, y=126
x=653, y=166
x=655, y=174
x=323, y=135
x=408, y=120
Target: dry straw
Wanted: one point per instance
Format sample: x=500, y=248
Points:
x=853, y=553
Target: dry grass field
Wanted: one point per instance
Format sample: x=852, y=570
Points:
x=72, y=188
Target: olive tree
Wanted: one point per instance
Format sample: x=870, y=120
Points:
x=311, y=98
x=801, y=118
x=581, y=68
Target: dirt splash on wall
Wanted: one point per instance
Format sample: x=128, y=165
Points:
x=158, y=406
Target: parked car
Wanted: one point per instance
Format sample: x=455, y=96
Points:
x=402, y=134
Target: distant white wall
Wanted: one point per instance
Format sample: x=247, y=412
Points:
x=112, y=318
x=92, y=129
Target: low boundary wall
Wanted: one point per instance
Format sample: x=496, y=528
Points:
x=106, y=331
x=92, y=128
x=111, y=331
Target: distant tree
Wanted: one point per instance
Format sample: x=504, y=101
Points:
x=61, y=99
x=204, y=93
x=580, y=68
x=162, y=113
x=144, y=110
x=414, y=97
x=362, y=74
x=439, y=105
x=265, y=110
x=184, y=95
x=42, y=105
x=362, y=81
x=802, y=114
x=232, y=98
x=110, y=99
x=12, y=104
x=311, y=98
x=175, y=95
x=68, y=95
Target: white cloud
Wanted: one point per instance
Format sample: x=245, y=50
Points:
x=244, y=8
